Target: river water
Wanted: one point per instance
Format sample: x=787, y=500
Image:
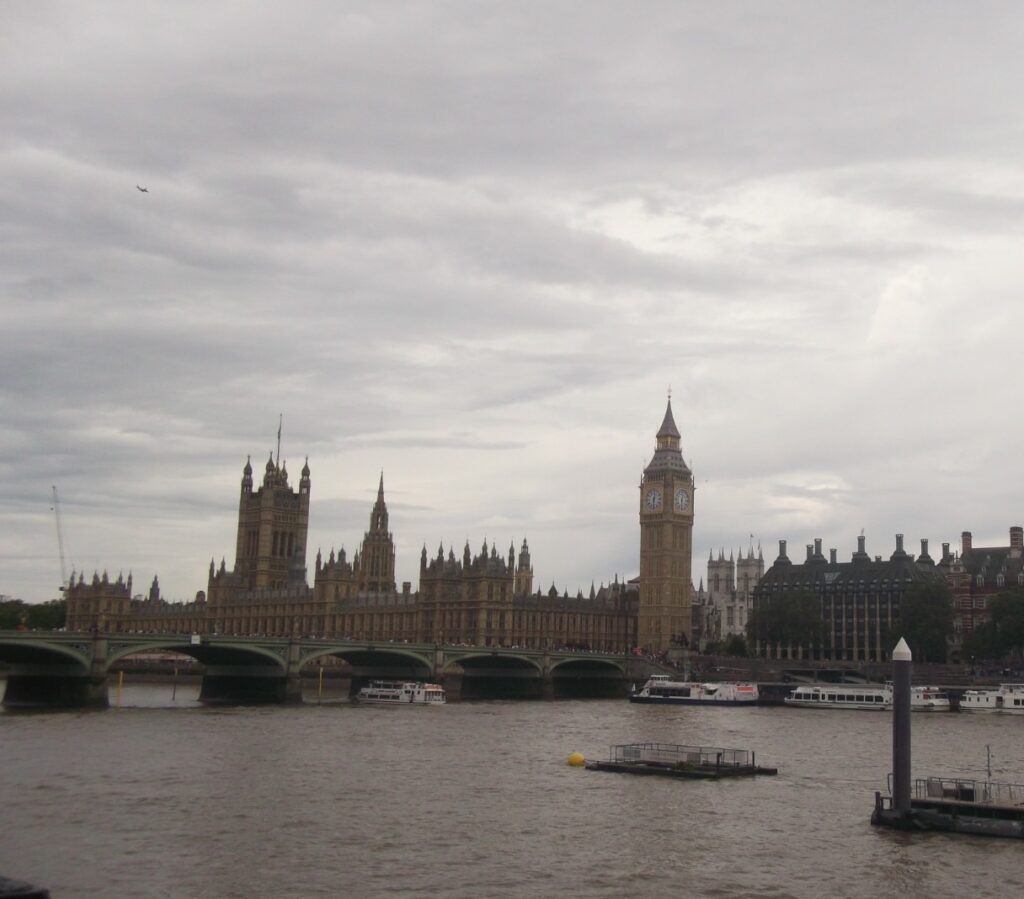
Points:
x=161, y=797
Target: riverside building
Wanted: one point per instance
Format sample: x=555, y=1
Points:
x=858, y=600
x=484, y=598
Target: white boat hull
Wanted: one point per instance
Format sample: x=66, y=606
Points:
x=1007, y=700
x=660, y=690
x=401, y=693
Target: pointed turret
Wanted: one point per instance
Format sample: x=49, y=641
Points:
x=667, y=454
x=524, y=572
x=668, y=425
x=379, y=516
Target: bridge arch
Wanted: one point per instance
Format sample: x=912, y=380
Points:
x=484, y=658
x=358, y=656
x=21, y=651
x=584, y=663
x=209, y=652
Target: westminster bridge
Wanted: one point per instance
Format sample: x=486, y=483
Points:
x=59, y=669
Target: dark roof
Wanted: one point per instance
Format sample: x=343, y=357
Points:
x=668, y=425
x=849, y=575
x=990, y=562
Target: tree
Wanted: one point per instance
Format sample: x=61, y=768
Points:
x=982, y=643
x=1003, y=633
x=926, y=620
x=735, y=645
x=792, y=619
x=46, y=616
x=12, y=614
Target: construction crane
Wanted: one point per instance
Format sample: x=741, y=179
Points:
x=60, y=541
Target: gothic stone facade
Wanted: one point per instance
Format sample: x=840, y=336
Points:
x=484, y=599
x=730, y=592
x=666, y=539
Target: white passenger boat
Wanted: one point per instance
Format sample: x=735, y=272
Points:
x=841, y=696
x=387, y=692
x=1008, y=698
x=928, y=699
x=865, y=696
x=660, y=688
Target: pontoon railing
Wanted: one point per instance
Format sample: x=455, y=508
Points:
x=986, y=791
x=675, y=754
x=959, y=789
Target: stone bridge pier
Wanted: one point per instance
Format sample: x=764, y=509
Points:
x=233, y=677
x=40, y=678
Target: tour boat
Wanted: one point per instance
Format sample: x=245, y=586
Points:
x=841, y=696
x=1008, y=698
x=863, y=696
x=928, y=699
x=660, y=688
x=388, y=692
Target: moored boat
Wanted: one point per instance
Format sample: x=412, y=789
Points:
x=865, y=696
x=1007, y=698
x=841, y=696
x=660, y=688
x=401, y=693
x=928, y=699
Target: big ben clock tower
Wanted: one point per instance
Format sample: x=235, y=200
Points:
x=666, y=539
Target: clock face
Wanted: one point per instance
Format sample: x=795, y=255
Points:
x=653, y=499
x=682, y=499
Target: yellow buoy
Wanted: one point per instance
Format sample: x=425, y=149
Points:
x=576, y=760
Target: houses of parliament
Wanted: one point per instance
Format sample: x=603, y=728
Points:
x=483, y=598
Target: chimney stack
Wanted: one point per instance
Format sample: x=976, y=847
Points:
x=900, y=553
x=1016, y=542
x=861, y=554
x=817, y=547
x=809, y=552
x=832, y=557
x=965, y=542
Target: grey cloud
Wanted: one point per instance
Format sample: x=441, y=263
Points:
x=382, y=236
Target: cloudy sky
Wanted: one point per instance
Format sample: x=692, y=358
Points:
x=473, y=245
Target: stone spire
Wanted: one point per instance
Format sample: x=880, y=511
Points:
x=667, y=455
x=668, y=425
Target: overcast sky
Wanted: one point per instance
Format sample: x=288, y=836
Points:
x=473, y=245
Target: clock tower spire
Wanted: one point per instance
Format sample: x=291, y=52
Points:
x=666, y=540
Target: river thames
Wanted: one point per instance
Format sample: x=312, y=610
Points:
x=165, y=798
